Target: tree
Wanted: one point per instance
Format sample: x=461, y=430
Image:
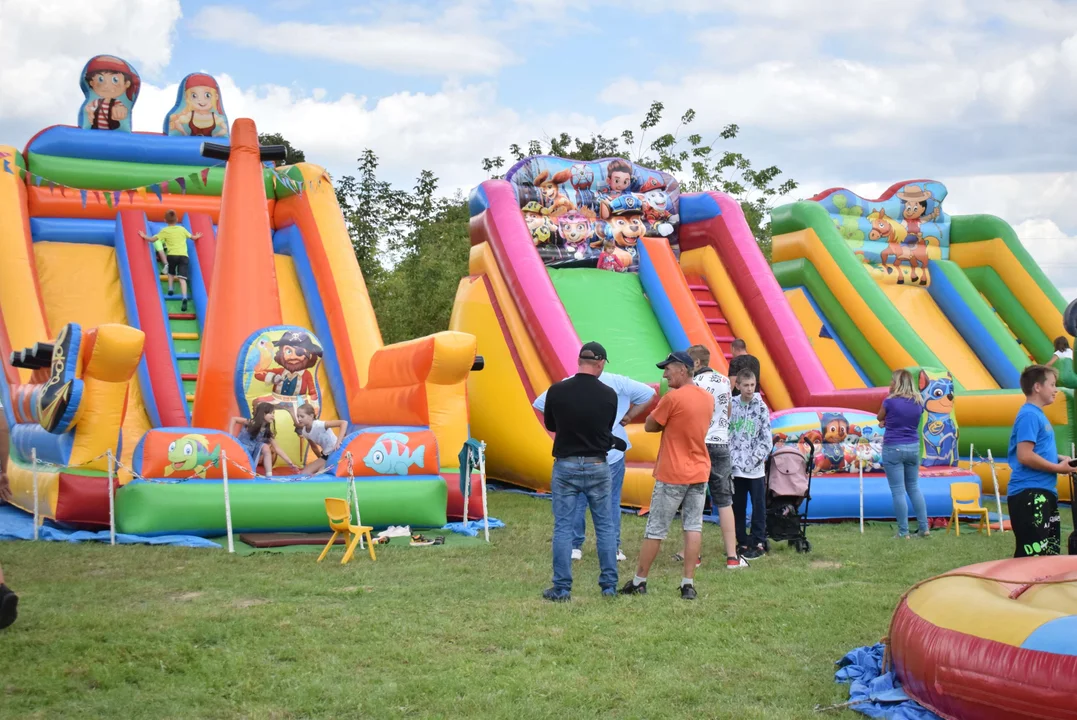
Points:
x=699, y=166
x=292, y=155
x=411, y=245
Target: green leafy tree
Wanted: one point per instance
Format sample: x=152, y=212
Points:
x=293, y=154
x=699, y=165
x=412, y=246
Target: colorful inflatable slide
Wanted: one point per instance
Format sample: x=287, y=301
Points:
x=897, y=282
x=99, y=356
x=690, y=273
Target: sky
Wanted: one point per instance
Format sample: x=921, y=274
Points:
x=977, y=94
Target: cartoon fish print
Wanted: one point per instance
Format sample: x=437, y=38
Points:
x=191, y=454
x=390, y=455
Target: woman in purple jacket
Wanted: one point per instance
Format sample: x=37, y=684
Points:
x=900, y=415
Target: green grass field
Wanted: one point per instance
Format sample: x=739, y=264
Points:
x=453, y=631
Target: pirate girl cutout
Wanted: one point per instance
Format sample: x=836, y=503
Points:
x=198, y=111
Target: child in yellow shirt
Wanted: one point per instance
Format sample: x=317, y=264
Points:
x=174, y=237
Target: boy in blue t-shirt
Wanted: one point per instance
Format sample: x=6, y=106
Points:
x=1035, y=465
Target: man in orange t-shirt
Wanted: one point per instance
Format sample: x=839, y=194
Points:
x=683, y=416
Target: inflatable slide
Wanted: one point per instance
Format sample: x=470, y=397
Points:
x=897, y=282
x=678, y=269
x=103, y=356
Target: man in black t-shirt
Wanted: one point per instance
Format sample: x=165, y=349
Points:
x=741, y=360
x=580, y=411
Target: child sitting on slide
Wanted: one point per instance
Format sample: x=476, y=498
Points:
x=319, y=433
x=257, y=437
x=608, y=260
x=174, y=237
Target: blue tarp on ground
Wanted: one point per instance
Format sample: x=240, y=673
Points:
x=873, y=692
x=473, y=527
x=18, y=525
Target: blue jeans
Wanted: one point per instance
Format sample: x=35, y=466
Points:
x=902, y=465
x=572, y=477
x=579, y=521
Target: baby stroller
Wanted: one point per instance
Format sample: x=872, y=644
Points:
x=788, y=484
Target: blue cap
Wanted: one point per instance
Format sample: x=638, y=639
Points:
x=678, y=357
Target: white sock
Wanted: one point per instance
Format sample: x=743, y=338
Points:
x=686, y=581
x=637, y=580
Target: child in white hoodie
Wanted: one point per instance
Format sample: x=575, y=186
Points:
x=750, y=443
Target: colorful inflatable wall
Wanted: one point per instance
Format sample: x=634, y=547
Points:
x=897, y=282
x=692, y=273
x=106, y=359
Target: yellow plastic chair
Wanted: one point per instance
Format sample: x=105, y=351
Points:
x=340, y=522
x=966, y=500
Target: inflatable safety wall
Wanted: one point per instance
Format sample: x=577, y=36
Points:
x=68, y=417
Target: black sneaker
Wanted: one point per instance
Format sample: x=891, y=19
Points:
x=9, y=606
x=183, y=305
x=171, y=293
x=754, y=552
x=631, y=588
x=554, y=595
x=688, y=592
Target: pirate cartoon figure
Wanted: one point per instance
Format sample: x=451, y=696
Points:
x=290, y=374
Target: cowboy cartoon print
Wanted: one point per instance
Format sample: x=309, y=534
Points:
x=897, y=234
x=110, y=88
x=574, y=210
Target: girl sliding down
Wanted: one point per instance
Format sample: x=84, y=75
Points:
x=258, y=438
x=319, y=433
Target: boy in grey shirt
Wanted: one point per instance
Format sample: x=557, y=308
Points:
x=750, y=443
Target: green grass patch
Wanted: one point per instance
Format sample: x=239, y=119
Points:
x=453, y=631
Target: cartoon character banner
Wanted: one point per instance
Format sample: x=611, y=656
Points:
x=837, y=436
x=938, y=424
x=198, y=111
x=279, y=365
x=594, y=212
x=390, y=452
x=189, y=454
x=897, y=234
x=110, y=88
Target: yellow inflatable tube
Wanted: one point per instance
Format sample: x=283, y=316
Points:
x=805, y=244
x=18, y=274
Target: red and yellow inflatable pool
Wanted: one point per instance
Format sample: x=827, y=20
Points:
x=994, y=640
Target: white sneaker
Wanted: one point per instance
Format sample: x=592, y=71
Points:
x=621, y=557
x=738, y=564
x=577, y=554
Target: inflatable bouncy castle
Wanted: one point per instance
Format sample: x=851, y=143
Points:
x=607, y=250
x=896, y=281
x=104, y=355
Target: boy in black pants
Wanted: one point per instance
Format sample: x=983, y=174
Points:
x=1035, y=465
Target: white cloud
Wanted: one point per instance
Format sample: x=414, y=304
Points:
x=48, y=41
x=1054, y=251
x=408, y=47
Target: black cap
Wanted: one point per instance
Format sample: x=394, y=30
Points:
x=592, y=351
x=678, y=357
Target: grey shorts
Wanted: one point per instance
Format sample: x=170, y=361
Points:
x=721, y=479
x=666, y=500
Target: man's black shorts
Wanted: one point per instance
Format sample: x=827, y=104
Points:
x=177, y=266
x=1036, y=524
